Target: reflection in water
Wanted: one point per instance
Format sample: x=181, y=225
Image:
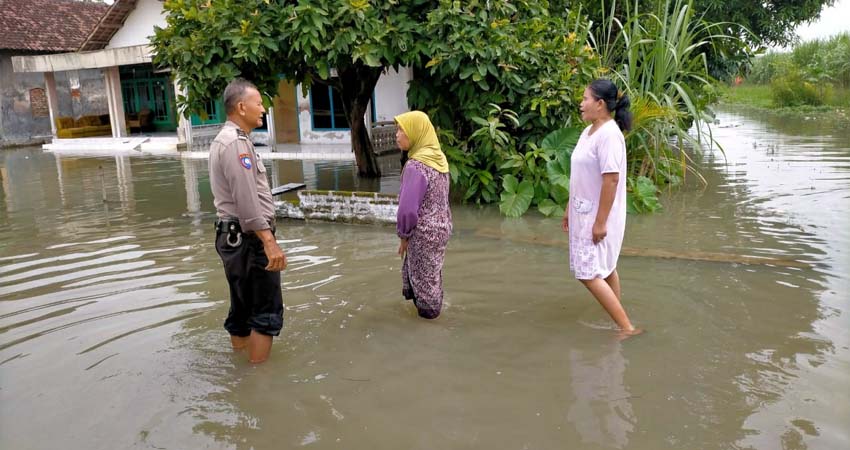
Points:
x=124, y=180
x=601, y=413
x=117, y=307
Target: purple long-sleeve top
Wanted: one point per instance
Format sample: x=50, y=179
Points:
x=410, y=198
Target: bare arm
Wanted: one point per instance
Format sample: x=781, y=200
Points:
x=277, y=260
x=565, y=222
x=606, y=200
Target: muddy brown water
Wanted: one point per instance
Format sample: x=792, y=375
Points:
x=111, y=312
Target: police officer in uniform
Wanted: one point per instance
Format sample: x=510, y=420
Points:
x=245, y=228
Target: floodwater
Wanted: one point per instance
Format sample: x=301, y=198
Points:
x=111, y=312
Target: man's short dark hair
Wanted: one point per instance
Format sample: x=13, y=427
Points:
x=235, y=92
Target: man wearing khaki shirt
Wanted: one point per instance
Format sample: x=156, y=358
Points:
x=245, y=227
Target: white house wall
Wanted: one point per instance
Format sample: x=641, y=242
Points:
x=305, y=124
x=391, y=94
x=390, y=101
x=138, y=27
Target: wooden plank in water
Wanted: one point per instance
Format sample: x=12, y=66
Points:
x=689, y=255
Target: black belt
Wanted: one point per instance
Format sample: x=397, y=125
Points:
x=232, y=226
x=225, y=225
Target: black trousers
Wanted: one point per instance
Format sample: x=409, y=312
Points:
x=256, y=301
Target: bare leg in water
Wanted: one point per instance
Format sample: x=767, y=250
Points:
x=607, y=293
x=259, y=346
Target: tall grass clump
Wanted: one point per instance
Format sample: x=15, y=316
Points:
x=660, y=59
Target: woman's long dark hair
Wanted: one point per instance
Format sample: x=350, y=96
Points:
x=615, y=101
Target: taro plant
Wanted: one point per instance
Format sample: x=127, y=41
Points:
x=641, y=196
x=544, y=172
x=516, y=196
x=559, y=144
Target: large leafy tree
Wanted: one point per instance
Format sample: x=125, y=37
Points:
x=500, y=76
x=347, y=44
x=770, y=22
x=513, y=54
x=758, y=24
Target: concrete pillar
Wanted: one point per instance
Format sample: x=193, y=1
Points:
x=271, y=129
x=190, y=178
x=52, y=100
x=115, y=100
x=110, y=101
x=184, y=124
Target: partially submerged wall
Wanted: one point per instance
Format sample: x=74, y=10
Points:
x=341, y=206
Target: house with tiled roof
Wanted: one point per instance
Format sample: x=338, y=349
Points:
x=41, y=27
x=141, y=97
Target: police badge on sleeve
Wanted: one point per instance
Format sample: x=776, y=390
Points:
x=245, y=160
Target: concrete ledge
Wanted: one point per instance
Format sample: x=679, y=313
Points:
x=341, y=206
x=169, y=146
x=300, y=156
x=98, y=59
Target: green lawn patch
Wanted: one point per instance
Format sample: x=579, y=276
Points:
x=760, y=97
x=747, y=94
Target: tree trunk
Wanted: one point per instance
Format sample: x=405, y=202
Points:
x=358, y=82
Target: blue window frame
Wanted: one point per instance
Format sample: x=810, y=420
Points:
x=326, y=107
x=215, y=113
x=326, y=110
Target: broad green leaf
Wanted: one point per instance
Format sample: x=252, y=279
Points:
x=560, y=194
x=646, y=188
x=558, y=170
x=561, y=141
x=515, y=199
x=510, y=183
x=549, y=208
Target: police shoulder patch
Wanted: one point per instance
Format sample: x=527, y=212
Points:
x=245, y=160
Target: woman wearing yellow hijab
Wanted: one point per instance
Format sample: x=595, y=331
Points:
x=424, y=220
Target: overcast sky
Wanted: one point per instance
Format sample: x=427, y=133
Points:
x=832, y=21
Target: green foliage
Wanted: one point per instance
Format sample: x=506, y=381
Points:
x=823, y=61
x=549, y=208
x=641, y=196
x=809, y=75
x=649, y=151
x=769, y=66
x=660, y=59
x=512, y=54
x=560, y=144
x=209, y=42
x=500, y=76
x=476, y=159
x=537, y=176
x=792, y=89
x=516, y=196
x=760, y=96
x=769, y=23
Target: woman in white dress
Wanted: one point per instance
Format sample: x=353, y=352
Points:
x=595, y=217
